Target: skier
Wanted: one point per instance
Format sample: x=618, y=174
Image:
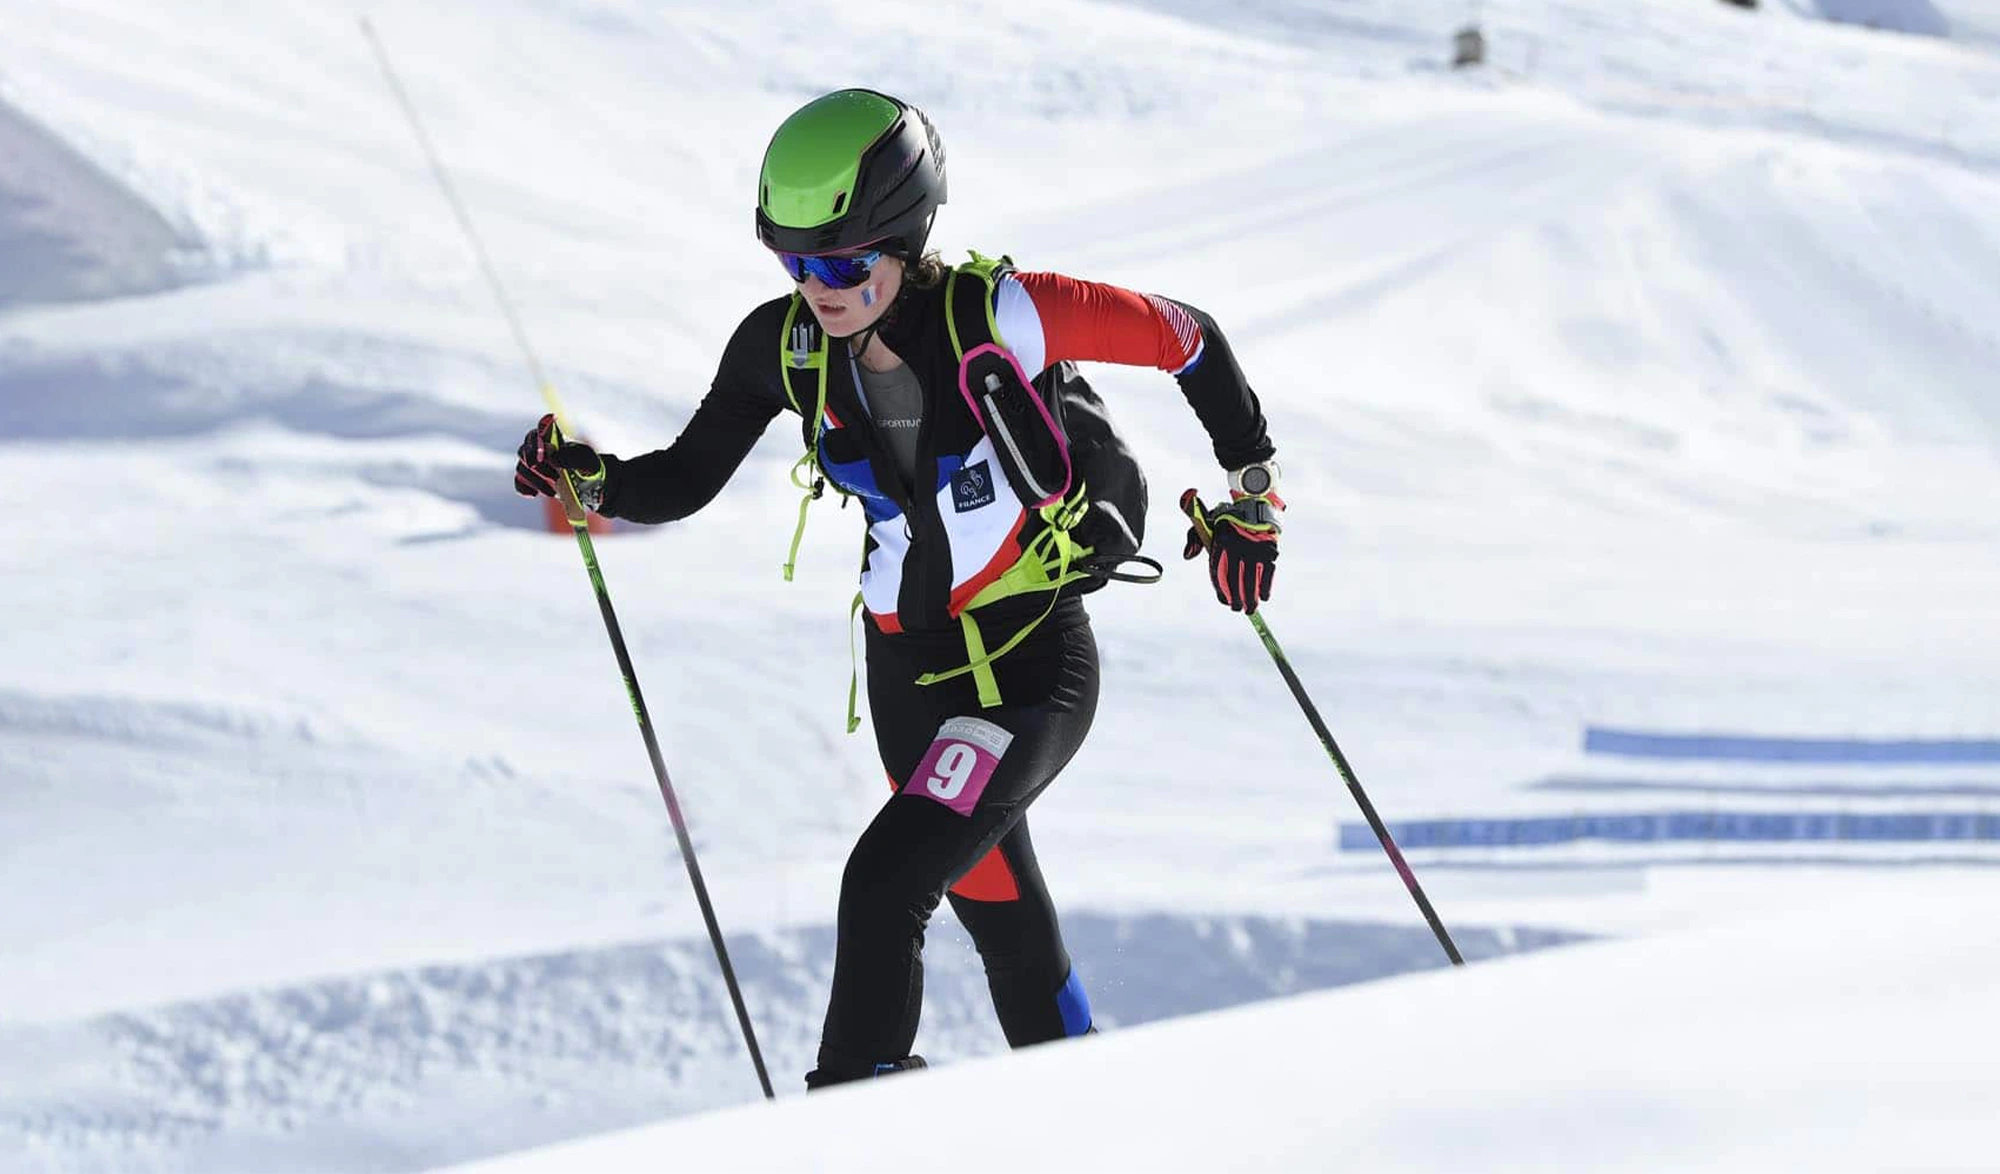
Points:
x=982, y=678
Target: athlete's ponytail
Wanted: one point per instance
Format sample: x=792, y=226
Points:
x=926, y=272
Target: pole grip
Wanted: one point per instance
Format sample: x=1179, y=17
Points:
x=579, y=518
x=1197, y=512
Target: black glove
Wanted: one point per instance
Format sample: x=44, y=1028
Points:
x=545, y=454
x=1241, y=539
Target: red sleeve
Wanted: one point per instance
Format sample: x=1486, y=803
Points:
x=1090, y=321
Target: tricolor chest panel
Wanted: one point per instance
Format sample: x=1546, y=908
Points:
x=934, y=543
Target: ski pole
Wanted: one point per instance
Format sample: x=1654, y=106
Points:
x=1191, y=504
x=579, y=521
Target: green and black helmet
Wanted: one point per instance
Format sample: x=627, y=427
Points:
x=852, y=169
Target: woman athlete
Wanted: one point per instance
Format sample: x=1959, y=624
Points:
x=969, y=735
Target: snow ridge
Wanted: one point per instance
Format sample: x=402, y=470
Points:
x=561, y=1044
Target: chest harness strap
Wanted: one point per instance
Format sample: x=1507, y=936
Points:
x=1049, y=561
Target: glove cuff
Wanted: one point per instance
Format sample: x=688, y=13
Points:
x=1251, y=514
x=589, y=491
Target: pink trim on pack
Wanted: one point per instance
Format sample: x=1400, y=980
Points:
x=965, y=389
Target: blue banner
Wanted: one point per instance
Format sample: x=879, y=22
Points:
x=1743, y=748
x=1664, y=826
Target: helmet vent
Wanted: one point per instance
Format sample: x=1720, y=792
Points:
x=839, y=202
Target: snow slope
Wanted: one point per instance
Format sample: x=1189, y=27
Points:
x=1826, y=1039
x=1644, y=380
x=71, y=231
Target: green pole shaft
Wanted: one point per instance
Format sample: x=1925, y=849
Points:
x=1354, y=787
x=1191, y=504
x=579, y=520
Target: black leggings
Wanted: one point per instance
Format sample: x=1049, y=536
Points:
x=964, y=777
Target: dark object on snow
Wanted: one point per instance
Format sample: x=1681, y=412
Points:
x=1468, y=47
x=1742, y=3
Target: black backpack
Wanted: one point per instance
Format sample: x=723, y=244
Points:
x=1054, y=437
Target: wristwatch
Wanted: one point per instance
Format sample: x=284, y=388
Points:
x=1255, y=480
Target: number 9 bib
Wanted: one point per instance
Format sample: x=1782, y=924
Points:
x=960, y=763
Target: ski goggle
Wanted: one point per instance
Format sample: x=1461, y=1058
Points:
x=835, y=270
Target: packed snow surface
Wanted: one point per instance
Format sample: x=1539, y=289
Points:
x=1822, y=1039
x=1643, y=380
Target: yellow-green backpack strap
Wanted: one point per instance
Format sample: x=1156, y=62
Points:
x=853, y=667
x=985, y=270
x=805, y=504
x=981, y=665
x=796, y=354
x=980, y=662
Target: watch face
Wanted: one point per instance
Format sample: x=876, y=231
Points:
x=1256, y=479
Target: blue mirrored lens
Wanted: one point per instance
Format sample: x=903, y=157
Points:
x=844, y=271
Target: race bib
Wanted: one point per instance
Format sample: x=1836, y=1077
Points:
x=960, y=763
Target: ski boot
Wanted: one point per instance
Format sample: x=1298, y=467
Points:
x=832, y=1071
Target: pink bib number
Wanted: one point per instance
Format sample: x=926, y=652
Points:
x=960, y=763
